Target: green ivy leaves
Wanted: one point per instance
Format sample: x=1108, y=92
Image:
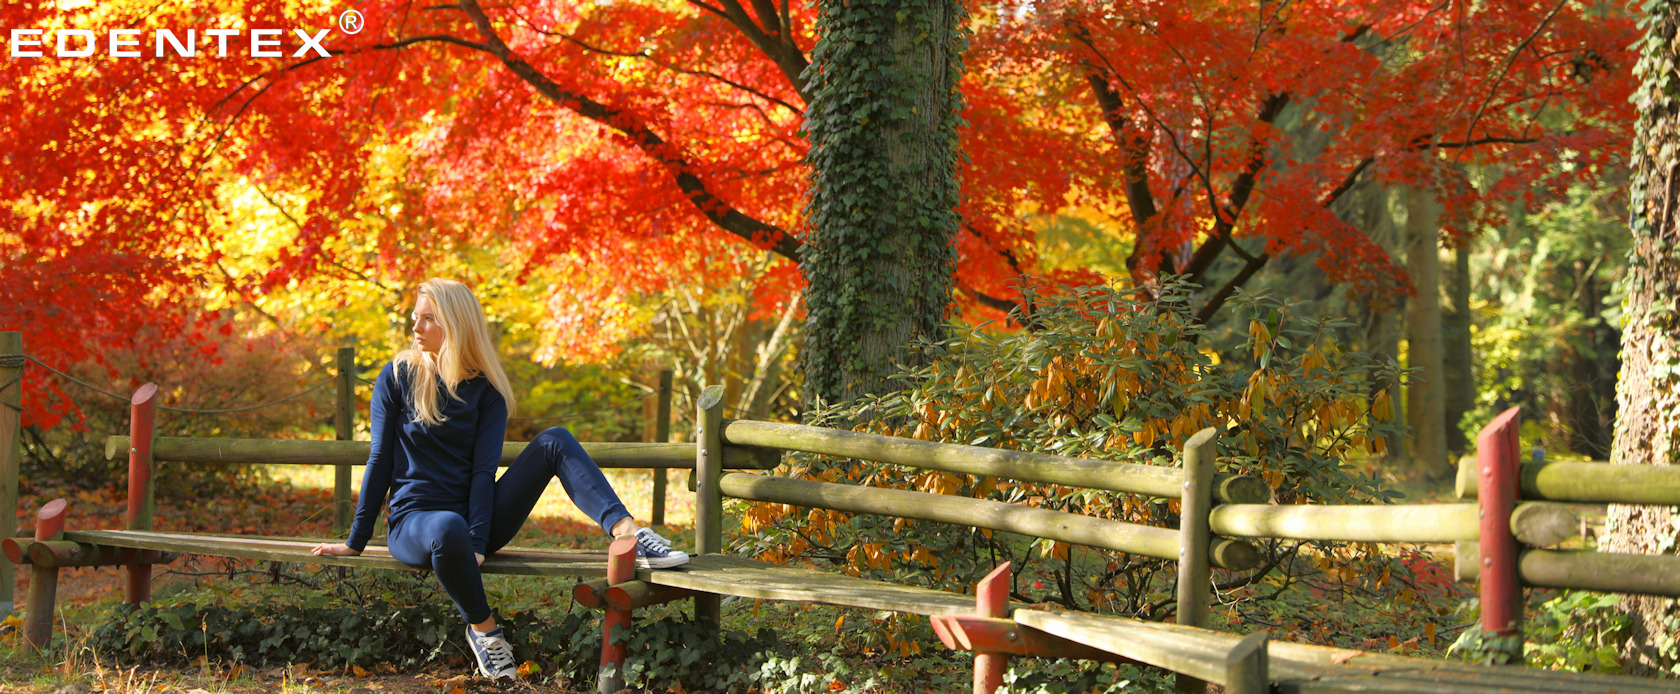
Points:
x=881, y=208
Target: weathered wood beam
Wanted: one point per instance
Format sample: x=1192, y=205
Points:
x=1144, y=540
x=1587, y=482
x=967, y=633
x=975, y=460
x=635, y=595
x=1199, y=653
x=62, y=554
x=312, y=452
x=1638, y=574
x=1535, y=523
x=591, y=594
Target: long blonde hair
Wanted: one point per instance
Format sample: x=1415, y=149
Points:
x=466, y=352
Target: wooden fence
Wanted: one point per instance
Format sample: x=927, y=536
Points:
x=1500, y=538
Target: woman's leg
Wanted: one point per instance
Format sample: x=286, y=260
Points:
x=438, y=540
x=553, y=453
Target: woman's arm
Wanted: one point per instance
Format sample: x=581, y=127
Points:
x=487, y=456
x=386, y=412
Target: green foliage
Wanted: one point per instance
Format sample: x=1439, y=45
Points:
x=1545, y=334
x=881, y=209
x=333, y=633
x=1110, y=376
x=1576, y=631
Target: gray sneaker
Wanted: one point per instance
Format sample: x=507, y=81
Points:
x=495, y=657
x=654, y=552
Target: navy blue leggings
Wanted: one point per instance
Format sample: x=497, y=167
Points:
x=438, y=540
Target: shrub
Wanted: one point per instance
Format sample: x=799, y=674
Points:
x=566, y=646
x=1111, y=375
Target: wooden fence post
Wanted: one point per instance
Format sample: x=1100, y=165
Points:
x=344, y=418
x=142, y=424
x=621, y=567
x=11, y=452
x=661, y=434
x=1496, y=492
x=43, y=580
x=1194, y=573
x=708, y=498
x=991, y=600
x=1246, y=666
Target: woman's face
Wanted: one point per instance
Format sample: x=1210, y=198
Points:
x=428, y=332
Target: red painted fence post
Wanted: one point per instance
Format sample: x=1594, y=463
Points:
x=991, y=599
x=1497, y=489
x=621, y=567
x=142, y=424
x=43, y=581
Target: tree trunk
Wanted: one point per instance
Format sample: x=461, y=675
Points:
x=882, y=203
x=1426, y=397
x=1648, y=393
x=1458, y=360
x=1589, y=404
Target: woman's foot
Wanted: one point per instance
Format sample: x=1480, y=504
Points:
x=654, y=552
x=494, y=656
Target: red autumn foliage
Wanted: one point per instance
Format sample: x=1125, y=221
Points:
x=639, y=135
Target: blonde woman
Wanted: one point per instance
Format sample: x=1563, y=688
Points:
x=439, y=414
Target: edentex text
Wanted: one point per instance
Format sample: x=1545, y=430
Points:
x=125, y=43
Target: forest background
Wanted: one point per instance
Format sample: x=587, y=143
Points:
x=635, y=186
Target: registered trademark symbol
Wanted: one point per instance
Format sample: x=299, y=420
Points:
x=350, y=22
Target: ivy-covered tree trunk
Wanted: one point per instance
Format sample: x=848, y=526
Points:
x=881, y=211
x=1648, y=392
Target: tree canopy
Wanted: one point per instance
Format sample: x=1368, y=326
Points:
x=601, y=150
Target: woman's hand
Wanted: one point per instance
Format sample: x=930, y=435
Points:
x=336, y=549
x=480, y=558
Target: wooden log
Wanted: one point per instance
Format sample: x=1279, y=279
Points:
x=661, y=434
x=344, y=421
x=311, y=452
x=141, y=427
x=64, y=555
x=1587, y=482
x=43, y=579
x=708, y=497
x=1544, y=523
x=1608, y=572
x=635, y=595
x=591, y=594
x=615, y=624
x=1534, y=523
x=11, y=452
x=1199, y=653
x=1500, y=588
x=1396, y=523
x=1245, y=666
x=991, y=601
x=966, y=633
x=14, y=549
x=981, y=513
x=1194, y=572
x=754, y=580
x=975, y=460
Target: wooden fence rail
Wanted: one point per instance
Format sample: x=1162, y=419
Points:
x=1587, y=482
x=1149, y=541
x=1152, y=480
x=1537, y=523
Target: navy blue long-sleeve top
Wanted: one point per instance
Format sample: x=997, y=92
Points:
x=450, y=466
